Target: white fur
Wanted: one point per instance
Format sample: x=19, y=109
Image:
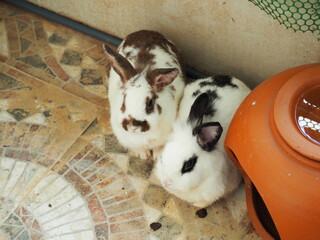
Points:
x=214, y=174
x=164, y=59
x=140, y=143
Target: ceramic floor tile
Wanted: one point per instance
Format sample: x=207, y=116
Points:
x=169, y=229
x=36, y=72
x=172, y=210
x=156, y=197
x=63, y=174
x=44, y=197
x=152, y=214
x=3, y=40
x=53, y=53
x=60, y=38
x=61, y=112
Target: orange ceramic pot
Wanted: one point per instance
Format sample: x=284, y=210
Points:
x=274, y=139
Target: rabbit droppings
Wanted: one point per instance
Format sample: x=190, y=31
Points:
x=194, y=165
x=146, y=84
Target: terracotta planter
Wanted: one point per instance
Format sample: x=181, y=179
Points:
x=274, y=139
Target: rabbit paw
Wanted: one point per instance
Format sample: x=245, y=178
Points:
x=156, y=153
x=142, y=154
x=201, y=204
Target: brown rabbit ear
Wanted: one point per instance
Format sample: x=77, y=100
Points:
x=161, y=77
x=121, y=65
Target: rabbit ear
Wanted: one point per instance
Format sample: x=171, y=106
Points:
x=121, y=65
x=159, y=78
x=197, y=110
x=208, y=134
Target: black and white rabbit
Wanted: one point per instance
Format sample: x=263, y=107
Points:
x=146, y=84
x=194, y=165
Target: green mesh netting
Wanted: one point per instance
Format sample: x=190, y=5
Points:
x=300, y=15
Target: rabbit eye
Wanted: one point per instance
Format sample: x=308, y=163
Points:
x=150, y=105
x=188, y=166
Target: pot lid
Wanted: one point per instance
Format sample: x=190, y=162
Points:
x=297, y=113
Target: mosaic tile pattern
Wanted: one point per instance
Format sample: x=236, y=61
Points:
x=53, y=54
x=63, y=174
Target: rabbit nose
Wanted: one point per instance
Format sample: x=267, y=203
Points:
x=167, y=183
x=131, y=124
x=137, y=123
x=143, y=125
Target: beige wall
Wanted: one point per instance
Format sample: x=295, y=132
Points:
x=217, y=36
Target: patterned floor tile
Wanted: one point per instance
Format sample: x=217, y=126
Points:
x=57, y=110
x=60, y=38
x=140, y=168
x=3, y=40
x=53, y=53
x=63, y=174
x=168, y=230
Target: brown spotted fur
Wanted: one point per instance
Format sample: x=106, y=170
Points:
x=146, y=40
x=123, y=106
x=144, y=125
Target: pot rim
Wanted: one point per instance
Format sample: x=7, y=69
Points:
x=284, y=112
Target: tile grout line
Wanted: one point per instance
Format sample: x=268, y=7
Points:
x=128, y=220
x=108, y=177
x=141, y=200
x=18, y=33
x=93, y=192
x=4, y=135
x=94, y=224
x=9, y=176
x=64, y=234
x=124, y=212
x=102, y=190
x=17, y=226
x=131, y=231
x=63, y=214
x=83, y=157
x=22, y=173
x=24, y=230
x=111, y=197
x=25, y=136
x=44, y=141
x=60, y=205
x=41, y=190
x=91, y=175
x=52, y=85
x=67, y=223
x=114, y=196
x=51, y=197
x=85, y=169
x=8, y=42
x=95, y=162
x=120, y=202
x=61, y=85
x=16, y=123
x=84, y=198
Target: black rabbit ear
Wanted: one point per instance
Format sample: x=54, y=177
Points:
x=121, y=65
x=208, y=134
x=198, y=109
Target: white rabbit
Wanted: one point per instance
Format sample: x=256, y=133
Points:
x=146, y=84
x=194, y=165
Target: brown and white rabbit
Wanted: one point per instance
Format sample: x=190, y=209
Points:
x=194, y=165
x=146, y=84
